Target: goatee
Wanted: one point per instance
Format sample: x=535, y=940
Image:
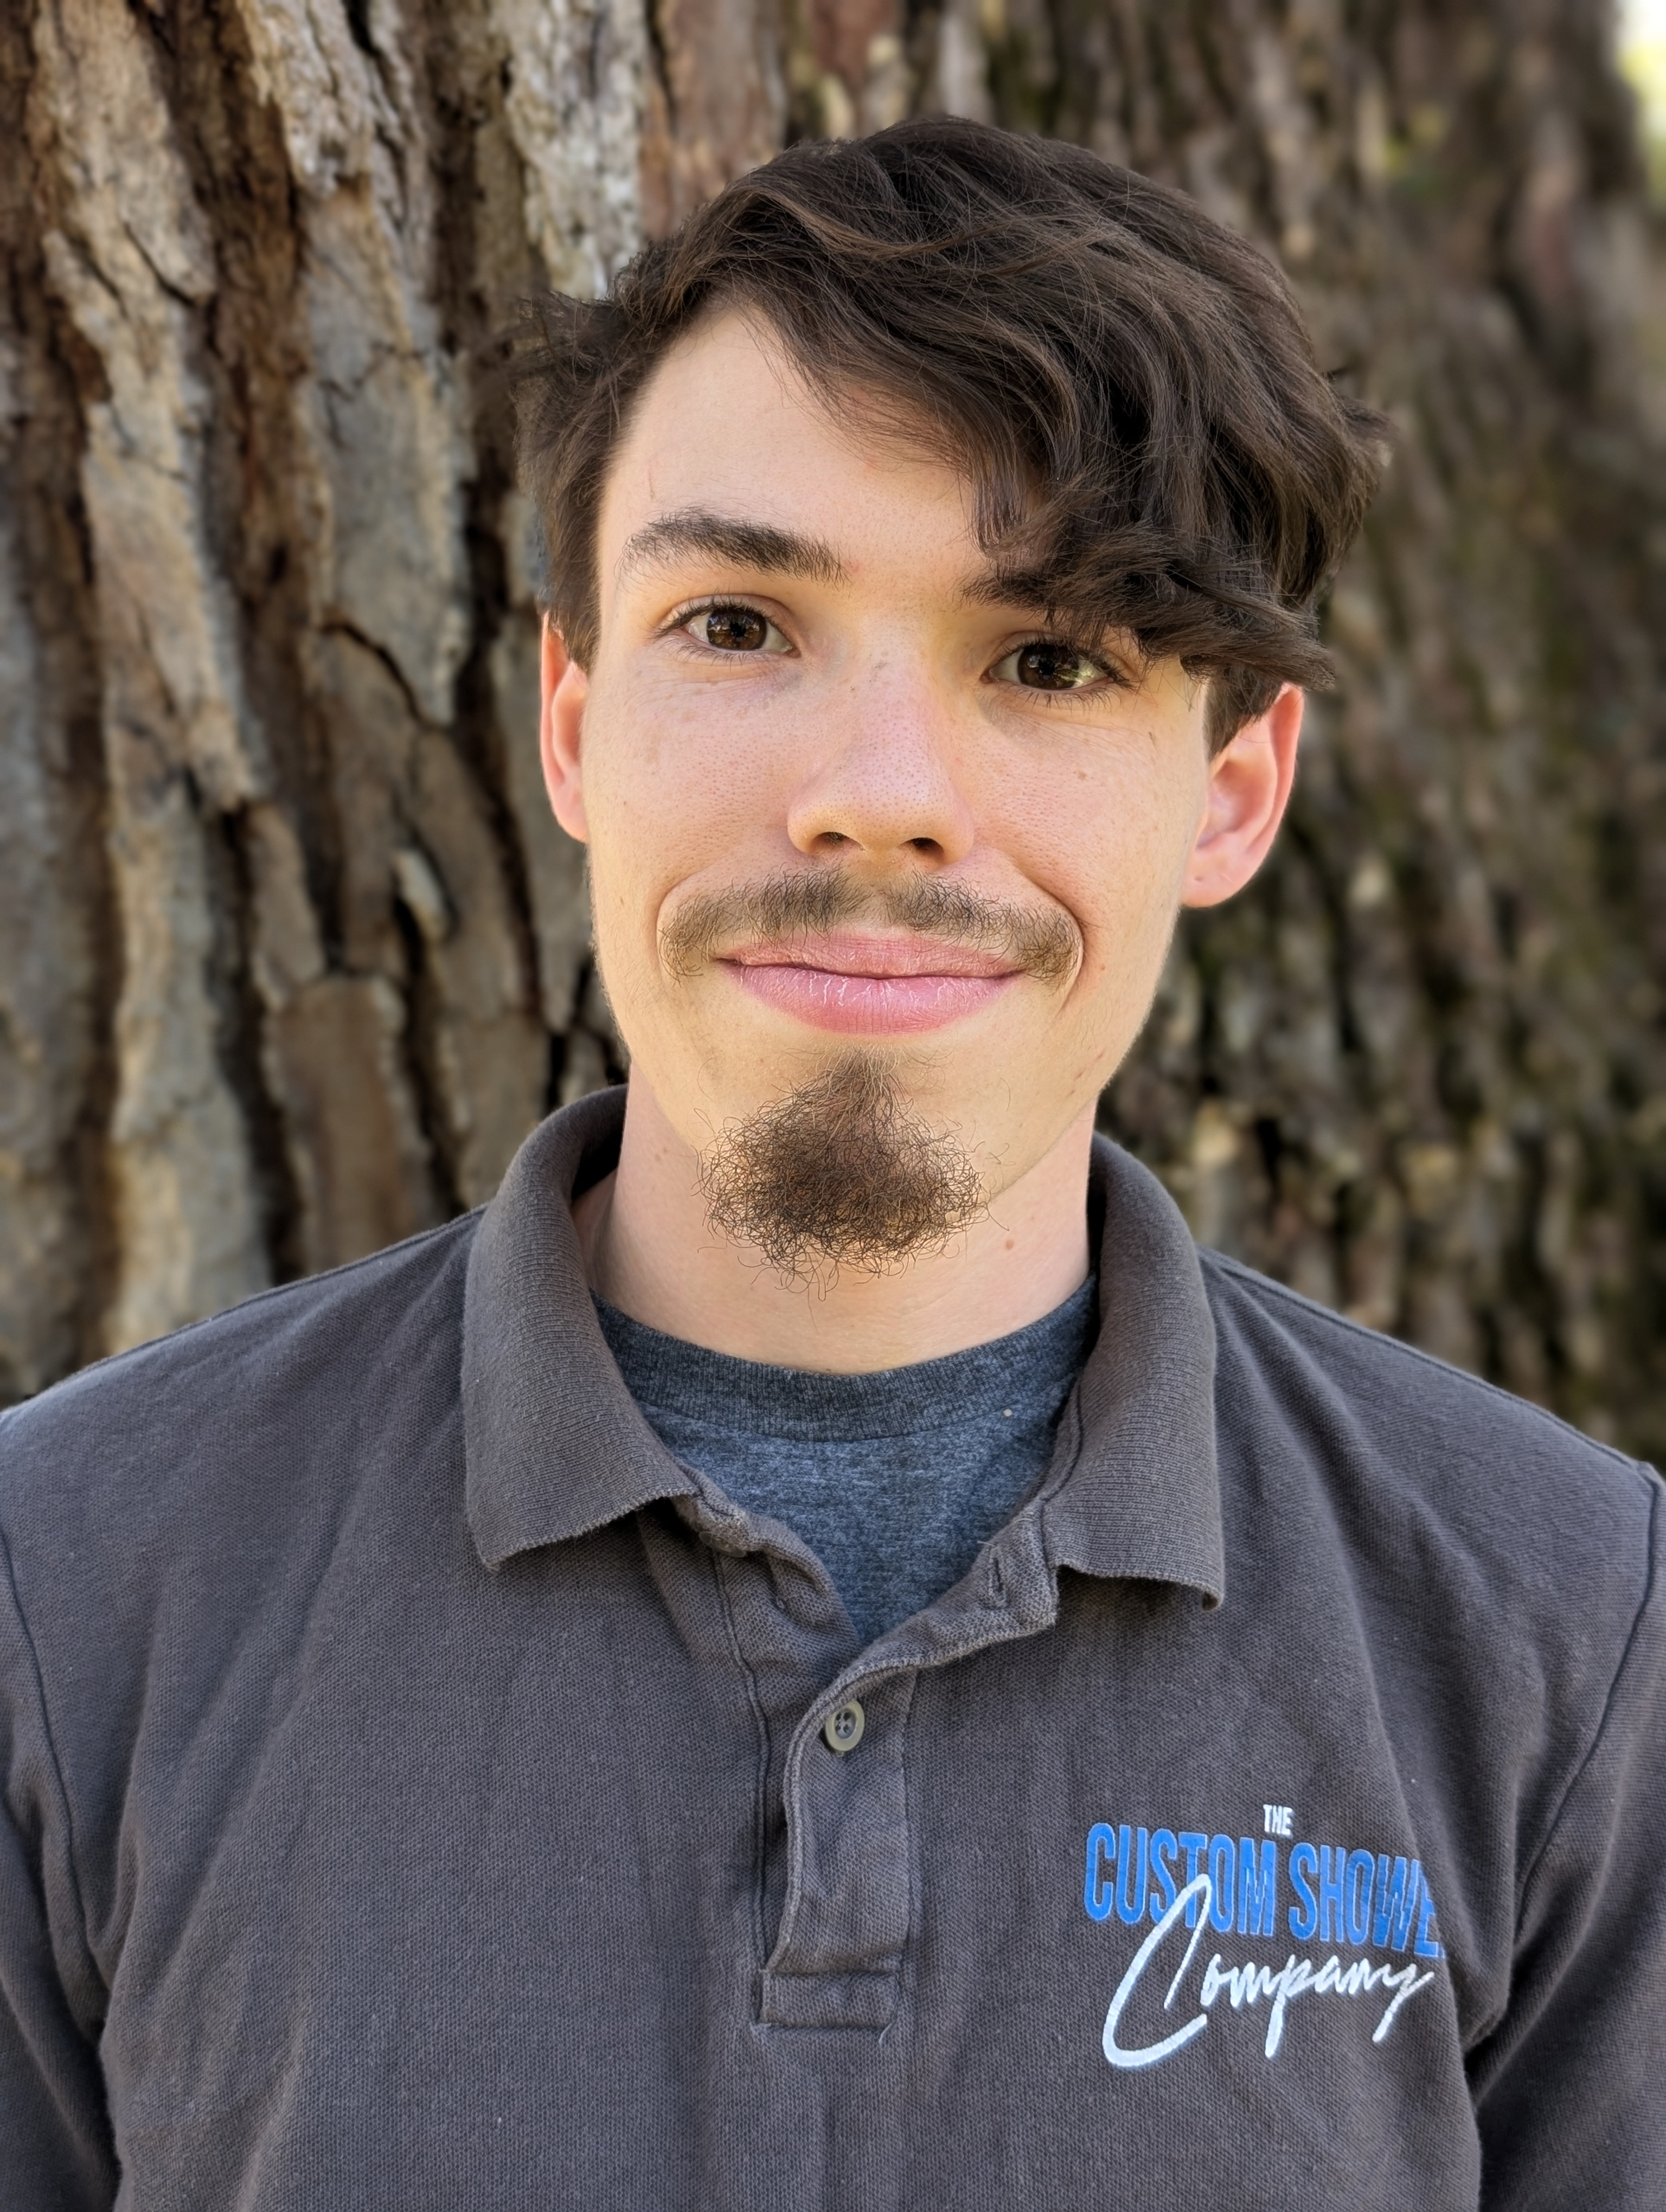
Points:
x=840, y=1173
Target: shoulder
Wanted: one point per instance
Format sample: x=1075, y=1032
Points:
x=1444, y=1465
x=239, y=1412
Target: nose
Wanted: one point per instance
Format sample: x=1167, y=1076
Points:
x=886, y=787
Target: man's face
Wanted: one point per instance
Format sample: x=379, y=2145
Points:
x=853, y=819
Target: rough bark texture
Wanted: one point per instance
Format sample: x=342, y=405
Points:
x=291, y=954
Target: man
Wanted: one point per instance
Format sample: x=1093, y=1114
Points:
x=817, y=1653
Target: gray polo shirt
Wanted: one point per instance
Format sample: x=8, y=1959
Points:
x=422, y=1789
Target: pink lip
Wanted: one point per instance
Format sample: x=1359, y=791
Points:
x=871, y=986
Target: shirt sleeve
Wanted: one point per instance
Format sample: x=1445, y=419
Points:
x=1568, y=2090
x=56, y=2154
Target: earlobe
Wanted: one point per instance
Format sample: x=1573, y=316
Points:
x=1249, y=789
x=563, y=689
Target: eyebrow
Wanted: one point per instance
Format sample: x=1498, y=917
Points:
x=1022, y=589
x=725, y=538
x=773, y=551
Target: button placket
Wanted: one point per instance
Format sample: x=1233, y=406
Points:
x=845, y=1922
x=848, y=1909
x=836, y=1872
x=789, y=1653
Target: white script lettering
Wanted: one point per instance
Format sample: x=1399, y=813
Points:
x=1248, y=1984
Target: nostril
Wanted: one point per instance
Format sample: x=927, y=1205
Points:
x=928, y=845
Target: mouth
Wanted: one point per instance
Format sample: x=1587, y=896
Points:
x=871, y=986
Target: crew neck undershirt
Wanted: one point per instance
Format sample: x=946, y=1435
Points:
x=897, y=1479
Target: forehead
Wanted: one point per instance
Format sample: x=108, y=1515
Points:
x=726, y=426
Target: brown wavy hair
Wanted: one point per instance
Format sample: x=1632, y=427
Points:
x=1128, y=385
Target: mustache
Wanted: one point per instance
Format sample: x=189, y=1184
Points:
x=1046, y=945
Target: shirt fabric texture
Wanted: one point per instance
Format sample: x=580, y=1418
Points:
x=896, y=1479
x=415, y=1792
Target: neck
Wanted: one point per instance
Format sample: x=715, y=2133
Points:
x=650, y=1251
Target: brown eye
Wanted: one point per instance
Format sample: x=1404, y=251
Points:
x=1049, y=665
x=736, y=629
x=733, y=626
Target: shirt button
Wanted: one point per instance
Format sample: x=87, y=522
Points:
x=843, y=1729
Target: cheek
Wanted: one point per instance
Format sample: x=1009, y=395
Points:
x=680, y=760
x=673, y=790
x=1111, y=843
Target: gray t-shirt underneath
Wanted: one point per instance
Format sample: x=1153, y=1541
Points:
x=895, y=1481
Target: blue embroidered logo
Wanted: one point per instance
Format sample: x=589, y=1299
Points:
x=1184, y=1879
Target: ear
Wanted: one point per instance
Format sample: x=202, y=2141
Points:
x=563, y=687
x=1250, y=782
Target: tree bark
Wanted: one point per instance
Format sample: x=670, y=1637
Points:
x=291, y=952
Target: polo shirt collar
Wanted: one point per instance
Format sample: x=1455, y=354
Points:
x=554, y=1442
x=556, y=1445
x=1141, y=1497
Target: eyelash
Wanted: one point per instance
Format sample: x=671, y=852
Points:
x=683, y=616
x=1112, y=679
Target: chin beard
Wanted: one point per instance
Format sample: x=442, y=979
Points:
x=840, y=1173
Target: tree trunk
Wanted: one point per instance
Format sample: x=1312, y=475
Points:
x=291, y=953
